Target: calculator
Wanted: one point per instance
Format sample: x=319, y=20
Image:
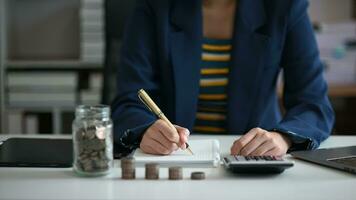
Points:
x=256, y=164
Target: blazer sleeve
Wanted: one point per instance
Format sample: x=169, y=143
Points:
x=136, y=70
x=309, y=116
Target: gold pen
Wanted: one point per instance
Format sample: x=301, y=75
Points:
x=151, y=105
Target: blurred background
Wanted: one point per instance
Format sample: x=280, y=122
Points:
x=55, y=55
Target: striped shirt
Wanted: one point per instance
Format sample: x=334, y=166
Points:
x=212, y=102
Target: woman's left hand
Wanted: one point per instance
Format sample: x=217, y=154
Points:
x=259, y=142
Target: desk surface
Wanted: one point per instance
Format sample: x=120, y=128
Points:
x=303, y=181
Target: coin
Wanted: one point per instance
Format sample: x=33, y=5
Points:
x=152, y=171
x=197, y=176
x=128, y=168
x=129, y=174
x=175, y=173
x=91, y=155
x=127, y=162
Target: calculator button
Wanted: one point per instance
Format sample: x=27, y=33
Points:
x=268, y=158
x=278, y=158
x=251, y=158
x=240, y=158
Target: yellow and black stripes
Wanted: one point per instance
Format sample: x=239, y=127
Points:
x=214, y=71
x=215, y=66
x=215, y=57
x=217, y=46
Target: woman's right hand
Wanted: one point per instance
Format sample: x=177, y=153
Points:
x=162, y=139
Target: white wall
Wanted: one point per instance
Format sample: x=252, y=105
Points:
x=51, y=26
x=330, y=10
x=2, y=62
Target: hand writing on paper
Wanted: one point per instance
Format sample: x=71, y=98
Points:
x=259, y=142
x=161, y=139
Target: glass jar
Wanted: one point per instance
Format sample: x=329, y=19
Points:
x=92, y=140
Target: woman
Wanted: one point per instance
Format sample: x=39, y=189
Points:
x=212, y=67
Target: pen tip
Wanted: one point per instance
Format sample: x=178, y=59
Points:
x=190, y=151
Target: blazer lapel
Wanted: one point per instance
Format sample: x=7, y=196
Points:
x=185, y=41
x=249, y=47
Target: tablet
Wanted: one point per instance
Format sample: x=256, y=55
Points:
x=34, y=152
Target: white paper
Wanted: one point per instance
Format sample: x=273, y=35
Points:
x=206, y=152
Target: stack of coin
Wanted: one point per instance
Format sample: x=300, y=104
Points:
x=197, y=176
x=175, y=173
x=91, y=151
x=128, y=168
x=152, y=171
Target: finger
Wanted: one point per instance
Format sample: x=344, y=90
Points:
x=183, y=135
x=147, y=149
x=144, y=147
x=236, y=146
x=259, y=139
x=157, y=147
x=170, y=133
x=263, y=148
x=241, y=142
x=275, y=152
x=272, y=152
x=182, y=140
x=180, y=129
x=164, y=141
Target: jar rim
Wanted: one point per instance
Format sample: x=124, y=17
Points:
x=98, y=110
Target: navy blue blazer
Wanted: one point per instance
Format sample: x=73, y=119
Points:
x=161, y=52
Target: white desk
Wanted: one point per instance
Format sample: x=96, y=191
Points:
x=303, y=181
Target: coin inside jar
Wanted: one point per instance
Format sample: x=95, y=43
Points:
x=92, y=140
x=91, y=151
